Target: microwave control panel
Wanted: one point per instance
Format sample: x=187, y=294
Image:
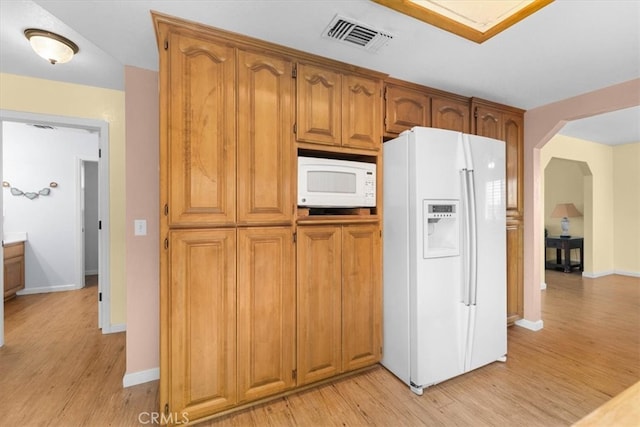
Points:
x=370, y=188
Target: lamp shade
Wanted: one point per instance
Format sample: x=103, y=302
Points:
x=51, y=46
x=565, y=210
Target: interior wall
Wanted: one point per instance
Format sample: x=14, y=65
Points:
x=540, y=125
x=143, y=202
x=563, y=183
x=20, y=93
x=33, y=158
x=626, y=216
x=91, y=217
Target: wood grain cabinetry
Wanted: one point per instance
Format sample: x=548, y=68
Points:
x=339, y=299
x=13, y=269
x=408, y=105
x=266, y=312
x=450, y=112
x=405, y=107
x=337, y=108
x=507, y=124
x=200, y=153
x=232, y=311
x=265, y=155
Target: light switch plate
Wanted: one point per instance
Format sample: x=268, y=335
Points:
x=140, y=227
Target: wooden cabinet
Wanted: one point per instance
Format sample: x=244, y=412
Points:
x=337, y=108
x=450, y=113
x=13, y=269
x=201, y=322
x=361, y=296
x=266, y=312
x=405, y=108
x=339, y=299
x=319, y=278
x=507, y=124
x=265, y=182
x=408, y=105
x=515, y=276
x=198, y=108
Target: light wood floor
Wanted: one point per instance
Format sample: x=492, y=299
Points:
x=57, y=369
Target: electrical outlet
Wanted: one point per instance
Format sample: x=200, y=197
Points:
x=140, y=227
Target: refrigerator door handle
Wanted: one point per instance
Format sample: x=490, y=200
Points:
x=473, y=239
x=466, y=253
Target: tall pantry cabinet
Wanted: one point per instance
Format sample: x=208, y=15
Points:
x=243, y=313
x=227, y=280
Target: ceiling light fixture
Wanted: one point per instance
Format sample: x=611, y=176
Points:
x=51, y=46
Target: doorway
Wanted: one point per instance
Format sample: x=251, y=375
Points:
x=99, y=166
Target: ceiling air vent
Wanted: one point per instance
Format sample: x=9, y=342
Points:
x=356, y=33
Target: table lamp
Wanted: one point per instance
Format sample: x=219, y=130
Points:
x=565, y=211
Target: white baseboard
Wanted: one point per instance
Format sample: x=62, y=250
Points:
x=627, y=273
x=112, y=329
x=140, y=377
x=48, y=289
x=543, y=286
x=592, y=275
x=91, y=272
x=528, y=324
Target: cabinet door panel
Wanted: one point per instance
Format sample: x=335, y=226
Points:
x=265, y=139
x=202, y=310
x=266, y=312
x=13, y=275
x=514, y=137
x=488, y=123
x=319, y=113
x=201, y=132
x=406, y=108
x=362, y=112
x=515, y=301
x=361, y=296
x=319, y=302
x=449, y=114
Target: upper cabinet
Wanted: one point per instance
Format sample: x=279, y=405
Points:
x=507, y=124
x=450, y=112
x=408, y=105
x=405, y=108
x=337, y=108
x=265, y=139
x=199, y=119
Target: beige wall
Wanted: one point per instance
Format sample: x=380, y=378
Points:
x=626, y=216
x=26, y=94
x=563, y=183
x=596, y=202
x=143, y=198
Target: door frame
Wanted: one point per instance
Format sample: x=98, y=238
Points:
x=102, y=128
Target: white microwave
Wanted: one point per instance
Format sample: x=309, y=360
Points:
x=331, y=183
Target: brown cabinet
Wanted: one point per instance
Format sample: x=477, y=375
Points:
x=200, y=314
x=507, y=124
x=266, y=312
x=449, y=112
x=13, y=269
x=339, y=299
x=515, y=276
x=405, y=108
x=338, y=108
x=408, y=105
x=199, y=158
x=265, y=181
x=226, y=185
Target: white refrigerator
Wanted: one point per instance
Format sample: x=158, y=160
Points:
x=444, y=255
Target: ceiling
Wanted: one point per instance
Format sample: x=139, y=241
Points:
x=568, y=48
